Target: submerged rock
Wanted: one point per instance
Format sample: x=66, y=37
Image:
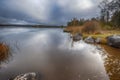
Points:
x=89, y=40
x=28, y=76
x=98, y=40
x=114, y=41
x=77, y=37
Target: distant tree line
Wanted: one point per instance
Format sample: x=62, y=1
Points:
x=76, y=22
x=81, y=22
x=87, y=25
x=110, y=12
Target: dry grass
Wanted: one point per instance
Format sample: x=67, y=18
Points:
x=4, y=52
x=88, y=27
x=91, y=27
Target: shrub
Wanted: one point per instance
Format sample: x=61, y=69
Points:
x=4, y=52
x=91, y=27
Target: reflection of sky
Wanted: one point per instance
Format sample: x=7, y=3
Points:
x=5, y=31
x=49, y=52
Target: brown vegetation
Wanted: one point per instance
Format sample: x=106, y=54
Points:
x=4, y=52
x=91, y=27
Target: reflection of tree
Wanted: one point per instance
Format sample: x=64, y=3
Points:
x=72, y=40
x=112, y=65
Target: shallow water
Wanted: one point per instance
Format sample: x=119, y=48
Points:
x=55, y=56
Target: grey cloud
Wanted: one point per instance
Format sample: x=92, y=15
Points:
x=38, y=9
x=12, y=21
x=49, y=11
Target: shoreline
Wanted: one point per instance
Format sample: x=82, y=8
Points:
x=103, y=35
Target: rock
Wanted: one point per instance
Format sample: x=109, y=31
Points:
x=89, y=40
x=114, y=41
x=77, y=37
x=98, y=40
x=28, y=76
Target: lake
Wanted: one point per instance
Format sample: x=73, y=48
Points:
x=54, y=55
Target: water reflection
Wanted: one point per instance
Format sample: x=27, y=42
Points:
x=111, y=58
x=49, y=52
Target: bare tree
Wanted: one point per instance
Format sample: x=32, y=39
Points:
x=104, y=10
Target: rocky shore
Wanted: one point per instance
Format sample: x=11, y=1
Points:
x=113, y=40
x=28, y=76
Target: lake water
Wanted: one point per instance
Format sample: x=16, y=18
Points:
x=54, y=55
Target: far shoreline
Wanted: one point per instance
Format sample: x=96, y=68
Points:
x=31, y=26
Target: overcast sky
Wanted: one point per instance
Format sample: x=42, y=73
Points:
x=56, y=12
